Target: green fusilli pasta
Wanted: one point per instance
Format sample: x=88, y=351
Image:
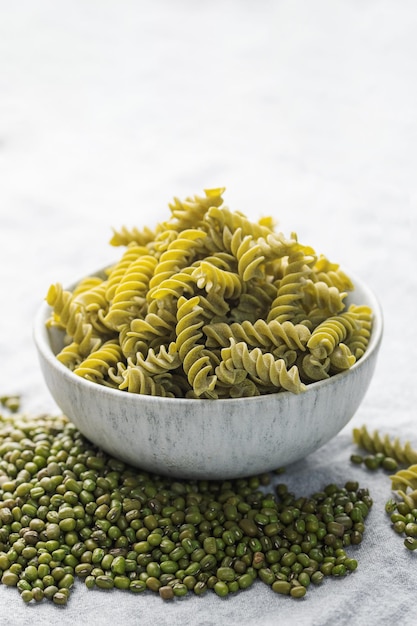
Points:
x=95, y=367
x=374, y=442
x=209, y=304
x=195, y=358
x=262, y=367
x=405, y=479
x=68, y=315
x=330, y=333
x=288, y=304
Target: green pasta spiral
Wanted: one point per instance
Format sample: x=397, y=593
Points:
x=392, y=447
x=95, y=367
x=176, y=256
x=194, y=357
x=405, y=479
x=68, y=315
x=330, y=333
x=288, y=304
x=130, y=293
x=263, y=368
x=155, y=329
x=213, y=279
x=258, y=334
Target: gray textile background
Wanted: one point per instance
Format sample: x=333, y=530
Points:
x=303, y=110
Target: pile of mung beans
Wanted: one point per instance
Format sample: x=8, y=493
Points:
x=404, y=521
x=69, y=511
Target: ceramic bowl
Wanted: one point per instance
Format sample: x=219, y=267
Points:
x=209, y=439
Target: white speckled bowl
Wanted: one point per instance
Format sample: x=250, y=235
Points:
x=211, y=439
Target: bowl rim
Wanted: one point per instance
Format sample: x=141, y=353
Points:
x=42, y=342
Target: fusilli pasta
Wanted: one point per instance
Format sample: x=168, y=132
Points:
x=209, y=304
x=405, y=479
x=392, y=447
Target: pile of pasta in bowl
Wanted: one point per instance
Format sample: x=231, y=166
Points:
x=210, y=305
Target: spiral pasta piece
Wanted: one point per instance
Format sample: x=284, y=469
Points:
x=405, y=479
x=67, y=314
x=115, y=375
x=194, y=356
x=130, y=294
x=228, y=374
x=117, y=272
x=125, y=236
x=165, y=237
x=341, y=358
x=359, y=338
x=135, y=380
x=154, y=330
x=222, y=260
x=159, y=362
x=215, y=280
x=288, y=302
x=242, y=246
x=275, y=246
x=176, y=256
x=92, y=299
x=86, y=286
x=327, y=335
x=255, y=303
x=249, y=256
x=258, y=334
x=320, y=295
x=70, y=355
x=187, y=214
x=221, y=218
x=174, y=286
x=331, y=274
x=263, y=367
x=374, y=442
x=313, y=369
x=286, y=354
x=95, y=367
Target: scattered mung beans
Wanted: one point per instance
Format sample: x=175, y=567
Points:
x=375, y=461
x=69, y=511
x=389, y=454
x=403, y=516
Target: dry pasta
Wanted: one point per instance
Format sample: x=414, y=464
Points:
x=374, y=442
x=405, y=479
x=209, y=304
